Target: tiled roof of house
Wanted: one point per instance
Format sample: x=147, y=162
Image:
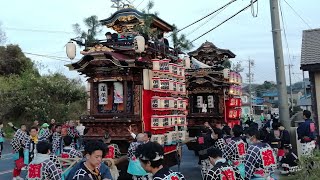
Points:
x=310, y=50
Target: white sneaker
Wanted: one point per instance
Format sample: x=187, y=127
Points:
x=23, y=169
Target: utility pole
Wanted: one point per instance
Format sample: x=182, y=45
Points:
x=291, y=98
x=250, y=78
x=279, y=65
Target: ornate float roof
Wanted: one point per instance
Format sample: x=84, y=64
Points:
x=210, y=49
x=205, y=77
x=125, y=20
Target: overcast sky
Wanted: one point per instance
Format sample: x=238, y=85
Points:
x=246, y=36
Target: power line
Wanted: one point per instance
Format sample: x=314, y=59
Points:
x=225, y=21
x=297, y=14
x=206, y=16
x=38, y=30
x=139, y=4
x=50, y=57
x=205, y=22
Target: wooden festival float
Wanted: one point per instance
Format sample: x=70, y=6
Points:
x=214, y=91
x=135, y=80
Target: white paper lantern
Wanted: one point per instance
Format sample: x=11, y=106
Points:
x=185, y=102
x=175, y=85
x=183, y=120
x=182, y=71
x=157, y=121
x=165, y=103
x=164, y=85
x=180, y=103
x=139, y=44
x=175, y=104
x=210, y=102
x=103, y=93
x=175, y=69
x=71, y=50
x=183, y=88
x=155, y=64
x=171, y=68
x=155, y=102
x=155, y=85
x=186, y=62
x=164, y=65
x=170, y=85
x=171, y=102
x=166, y=121
x=199, y=101
x=226, y=73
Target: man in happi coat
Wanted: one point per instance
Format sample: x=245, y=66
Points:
x=55, y=139
x=307, y=134
x=221, y=170
x=113, y=149
x=31, y=143
x=135, y=169
x=68, y=151
x=235, y=150
x=151, y=156
x=260, y=160
x=90, y=168
x=73, y=132
x=18, y=144
x=58, y=141
x=44, y=132
x=41, y=167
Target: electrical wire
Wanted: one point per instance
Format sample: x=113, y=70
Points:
x=50, y=57
x=206, y=16
x=224, y=21
x=38, y=30
x=139, y=4
x=206, y=21
x=297, y=14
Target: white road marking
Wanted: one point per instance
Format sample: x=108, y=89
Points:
x=6, y=172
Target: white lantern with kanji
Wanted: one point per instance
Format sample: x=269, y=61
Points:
x=71, y=50
x=226, y=73
x=210, y=101
x=164, y=65
x=200, y=101
x=185, y=103
x=164, y=85
x=171, y=85
x=155, y=64
x=155, y=84
x=157, y=121
x=103, y=93
x=155, y=102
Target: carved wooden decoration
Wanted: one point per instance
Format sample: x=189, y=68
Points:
x=137, y=99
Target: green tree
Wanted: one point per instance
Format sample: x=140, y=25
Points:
x=94, y=28
x=180, y=42
x=148, y=17
x=13, y=61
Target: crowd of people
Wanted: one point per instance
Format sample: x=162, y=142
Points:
x=241, y=152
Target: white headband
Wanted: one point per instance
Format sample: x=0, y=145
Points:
x=158, y=157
